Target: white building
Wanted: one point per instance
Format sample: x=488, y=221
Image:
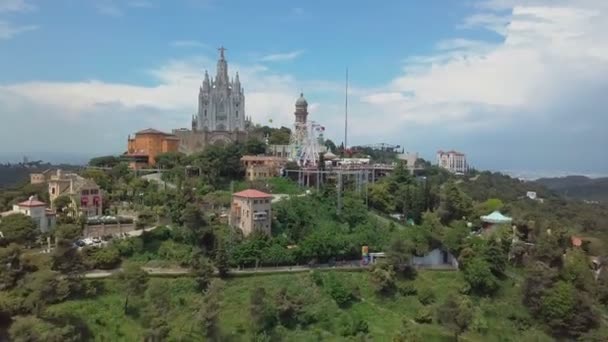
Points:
x=452, y=161
x=43, y=217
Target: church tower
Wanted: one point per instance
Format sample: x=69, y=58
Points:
x=301, y=112
x=221, y=105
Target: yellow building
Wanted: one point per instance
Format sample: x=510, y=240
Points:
x=147, y=144
x=260, y=167
x=85, y=194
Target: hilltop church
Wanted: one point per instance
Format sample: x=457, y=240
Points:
x=221, y=112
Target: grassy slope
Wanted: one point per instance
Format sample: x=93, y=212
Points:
x=107, y=322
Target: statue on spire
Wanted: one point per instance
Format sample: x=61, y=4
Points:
x=221, y=49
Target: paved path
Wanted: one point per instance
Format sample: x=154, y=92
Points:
x=177, y=271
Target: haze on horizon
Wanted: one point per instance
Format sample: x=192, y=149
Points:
x=517, y=85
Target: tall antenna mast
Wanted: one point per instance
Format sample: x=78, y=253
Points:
x=346, y=113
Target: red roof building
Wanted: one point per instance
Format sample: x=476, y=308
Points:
x=251, y=210
x=252, y=193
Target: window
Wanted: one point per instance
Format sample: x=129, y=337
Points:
x=85, y=192
x=52, y=191
x=266, y=201
x=94, y=191
x=237, y=113
x=205, y=113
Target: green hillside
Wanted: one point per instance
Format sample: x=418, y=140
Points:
x=499, y=320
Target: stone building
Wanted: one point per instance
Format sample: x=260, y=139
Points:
x=143, y=148
x=260, y=167
x=221, y=116
x=85, y=194
x=453, y=161
x=251, y=211
x=43, y=218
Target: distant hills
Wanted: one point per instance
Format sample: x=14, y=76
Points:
x=578, y=187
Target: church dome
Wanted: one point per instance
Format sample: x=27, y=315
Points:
x=301, y=102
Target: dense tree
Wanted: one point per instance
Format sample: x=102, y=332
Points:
x=155, y=312
x=18, y=228
x=289, y=308
x=382, y=278
x=331, y=146
x=337, y=291
x=455, y=313
x=263, y=313
x=561, y=308
x=454, y=204
x=221, y=259
x=100, y=177
x=70, y=232
x=576, y=270
x=539, y=278
x=62, y=204
x=13, y=268
x=208, y=313
x=398, y=254
x=105, y=258
x=104, y=161
x=134, y=282
x=478, y=275
x=254, y=147
x=170, y=160
x=45, y=287
x=408, y=332
x=66, y=259
x=30, y=328
x=203, y=270
x=380, y=198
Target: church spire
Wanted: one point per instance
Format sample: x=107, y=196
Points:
x=206, y=84
x=222, y=68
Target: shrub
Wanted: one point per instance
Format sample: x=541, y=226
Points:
x=426, y=295
x=479, y=323
x=407, y=289
x=128, y=247
x=317, y=277
x=352, y=326
x=103, y=258
x=338, y=292
x=424, y=315
x=173, y=251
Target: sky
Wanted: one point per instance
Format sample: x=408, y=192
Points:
x=518, y=85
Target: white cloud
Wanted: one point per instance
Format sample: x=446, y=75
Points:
x=546, y=51
x=15, y=6
x=545, y=77
x=9, y=30
x=490, y=21
x=280, y=57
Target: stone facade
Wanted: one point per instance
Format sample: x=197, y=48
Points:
x=84, y=194
x=251, y=211
x=220, y=118
x=260, y=167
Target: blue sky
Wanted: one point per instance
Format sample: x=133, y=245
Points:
x=517, y=85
